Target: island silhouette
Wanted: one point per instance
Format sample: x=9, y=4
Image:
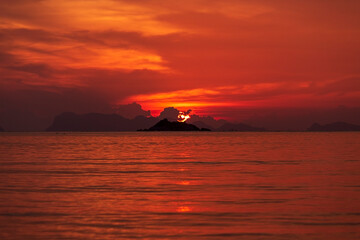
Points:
x=98, y=122
x=166, y=125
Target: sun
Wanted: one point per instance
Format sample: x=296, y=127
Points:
x=182, y=117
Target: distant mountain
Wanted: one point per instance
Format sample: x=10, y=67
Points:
x=207, y=121
x=1, y=129
x=96, y=122
x=334, y=127
x=166, y=125
x=201, y=124
x=143, y=122
x=239, y=127
x=300, y=119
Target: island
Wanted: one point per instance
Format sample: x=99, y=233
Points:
x=166, y=125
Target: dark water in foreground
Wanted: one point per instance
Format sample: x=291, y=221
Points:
x=180, y=186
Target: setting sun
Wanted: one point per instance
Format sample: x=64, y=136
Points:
x=183, y=116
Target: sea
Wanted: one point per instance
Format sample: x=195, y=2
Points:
x=180, y=185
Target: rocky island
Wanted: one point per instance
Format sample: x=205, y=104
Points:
x=166, y=125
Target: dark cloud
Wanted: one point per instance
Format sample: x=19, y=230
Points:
x=33, y=35
x=187, y=112
x=40, y=69
x=6, y=58
x=170, y=113
x=131, y=111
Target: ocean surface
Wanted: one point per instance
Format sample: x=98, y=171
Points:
x=203, y=185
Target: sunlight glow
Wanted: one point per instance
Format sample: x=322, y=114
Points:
x=182, y=117
x=183, y=209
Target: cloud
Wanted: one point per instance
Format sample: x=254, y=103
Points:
x=132, y=110
x=170, y=113
x=256, y=95
x=40, y=69
x=342, y=86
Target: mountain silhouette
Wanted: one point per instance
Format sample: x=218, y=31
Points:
x=97, y=122
x=334, y=127
x=166, y=125
x=201, y=125
x=1, y=129
x=239, y=127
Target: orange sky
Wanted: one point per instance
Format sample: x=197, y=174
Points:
x=88, y=55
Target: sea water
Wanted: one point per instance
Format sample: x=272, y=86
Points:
x=201, y=185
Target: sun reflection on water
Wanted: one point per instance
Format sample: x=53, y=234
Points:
x=182, y=209
x=184, y=183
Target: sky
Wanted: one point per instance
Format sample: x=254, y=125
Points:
x=229, y=59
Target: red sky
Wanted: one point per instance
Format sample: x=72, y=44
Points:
x=215, y=57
